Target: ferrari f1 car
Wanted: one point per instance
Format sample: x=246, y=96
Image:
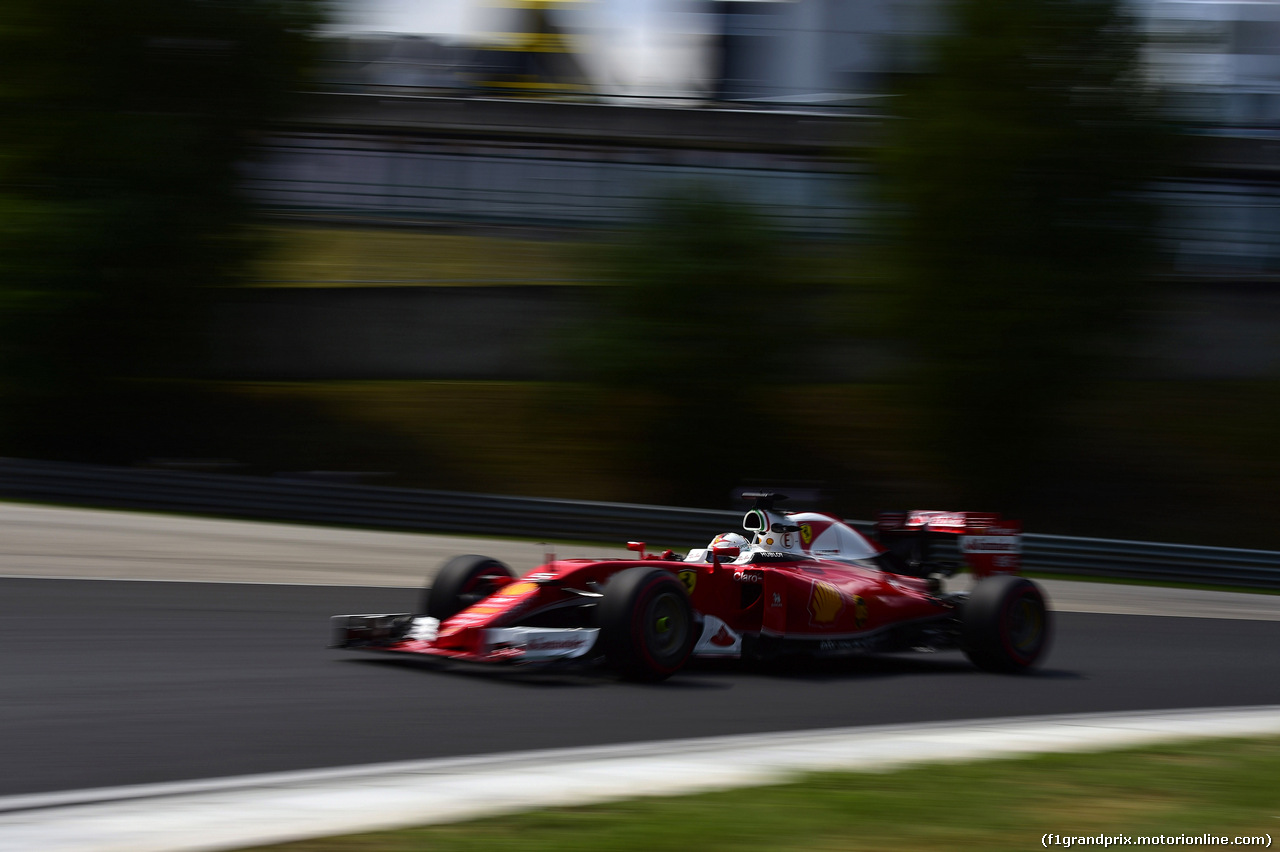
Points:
x=802, y=583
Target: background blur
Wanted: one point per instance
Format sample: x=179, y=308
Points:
x=1008, y=255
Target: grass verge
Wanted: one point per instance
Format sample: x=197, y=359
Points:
x=1129, y=470
x=1224, y=788
x=355, y=257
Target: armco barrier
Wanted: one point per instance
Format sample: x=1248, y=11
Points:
x=323, y=502
x=487, y=514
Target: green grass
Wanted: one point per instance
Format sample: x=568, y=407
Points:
x=1145, y=461
x=1221, y=787
x=325, y=256
x=524, y=438
x=354, y=257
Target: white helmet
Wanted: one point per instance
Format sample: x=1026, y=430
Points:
x=730, y=544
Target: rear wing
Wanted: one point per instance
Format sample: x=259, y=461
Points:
x=988, y=543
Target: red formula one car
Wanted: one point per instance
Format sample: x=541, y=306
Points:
x=804, y=583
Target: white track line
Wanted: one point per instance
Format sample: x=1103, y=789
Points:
x=231, y=813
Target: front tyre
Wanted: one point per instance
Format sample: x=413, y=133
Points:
x=646, y=623
x=461, y=582
x=1006, y=625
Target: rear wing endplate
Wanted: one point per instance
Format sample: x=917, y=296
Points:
x=988, y=543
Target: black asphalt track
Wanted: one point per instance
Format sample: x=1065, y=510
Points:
x=107, y=683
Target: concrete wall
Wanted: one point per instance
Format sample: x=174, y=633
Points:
x=518, y=332
x=500, y=332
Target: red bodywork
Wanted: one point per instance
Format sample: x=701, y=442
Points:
x=832, y=588
x=990, y=544
x=797, y=600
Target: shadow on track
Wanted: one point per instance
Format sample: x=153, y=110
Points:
x=885, y=666
x=579, y=676
x=718, y=674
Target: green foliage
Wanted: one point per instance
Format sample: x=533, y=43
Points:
x=1016, y=171
x=690, y=280
x=119, y=205
x=696, y=327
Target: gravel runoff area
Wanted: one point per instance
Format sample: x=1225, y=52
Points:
x=44, y=541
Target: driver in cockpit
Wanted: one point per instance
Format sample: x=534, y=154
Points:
x=729, y=545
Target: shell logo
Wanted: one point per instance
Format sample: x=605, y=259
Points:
x=512, y=590
x=825, y=602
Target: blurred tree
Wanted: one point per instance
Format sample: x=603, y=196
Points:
x=123, y=129
x=1015, y=173
x=695, y=329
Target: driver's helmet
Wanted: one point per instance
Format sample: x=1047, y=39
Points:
x=730, y=544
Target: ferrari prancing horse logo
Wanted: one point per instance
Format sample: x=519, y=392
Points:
x=690, y=579
x=806, y=534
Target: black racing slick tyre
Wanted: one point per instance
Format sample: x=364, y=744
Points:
x=1006, y=625
x=461, y=582
x=646, y=622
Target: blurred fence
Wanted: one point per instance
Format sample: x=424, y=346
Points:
x=1227, y=222
x=477, y=161
x=486, y=514
x=546, y=185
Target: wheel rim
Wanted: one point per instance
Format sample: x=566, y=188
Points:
x=665, y=626
x=1025, y=626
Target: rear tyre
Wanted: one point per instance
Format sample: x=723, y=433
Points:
x=461, y=582
x=1006, y=625
x=646, y=624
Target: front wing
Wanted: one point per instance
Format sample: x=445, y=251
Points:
x=406, y=633
x=409, y=634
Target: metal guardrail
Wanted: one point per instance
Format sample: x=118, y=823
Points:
x=323, y=502
x=1100, y=557
x=317, y=501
